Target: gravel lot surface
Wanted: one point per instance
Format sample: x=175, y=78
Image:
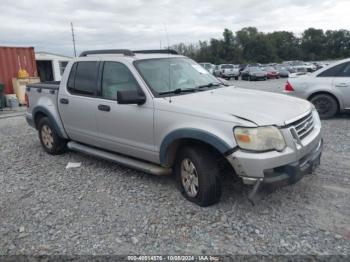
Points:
x=103, y=208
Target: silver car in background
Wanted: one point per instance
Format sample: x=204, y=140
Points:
x=328, y=88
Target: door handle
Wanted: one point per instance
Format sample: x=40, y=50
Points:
x=342, y=85
x=104, y=108
x=64, y=101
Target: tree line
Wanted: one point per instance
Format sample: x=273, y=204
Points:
x=248, y=45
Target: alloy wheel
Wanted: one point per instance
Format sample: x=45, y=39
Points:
x=47, y=137
x=189, y=177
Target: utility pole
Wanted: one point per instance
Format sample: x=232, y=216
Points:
x=75, y=51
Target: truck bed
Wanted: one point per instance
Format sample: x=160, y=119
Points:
x=43, y=96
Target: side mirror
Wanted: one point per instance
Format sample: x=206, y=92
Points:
x=130, y=97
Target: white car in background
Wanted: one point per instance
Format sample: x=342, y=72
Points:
x=227, y=71
x=327, y=88
x=209, y=67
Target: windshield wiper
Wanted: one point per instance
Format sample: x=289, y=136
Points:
x=209, y=85
x=178, y=91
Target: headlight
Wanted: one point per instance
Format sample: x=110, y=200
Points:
x=259, y=138
x=316, y=117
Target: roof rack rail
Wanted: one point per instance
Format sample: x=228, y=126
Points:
x=125, y=52
x=157, y=51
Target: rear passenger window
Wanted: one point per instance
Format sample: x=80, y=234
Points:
x=345, y=71
x=83, y=78
x=341, y=70
x=116, y=77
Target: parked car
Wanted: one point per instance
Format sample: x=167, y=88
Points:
x=163, y=113
x=271, y=72
x=328, y=88
x=217, y=70
x=310, y=67
x=227, y=71
x=208, y=66
x=254, y=65
x=282, y=71
x=298, y=71
x=253, y=73
x=241, y=67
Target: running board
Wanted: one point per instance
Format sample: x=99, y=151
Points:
x=122, y=160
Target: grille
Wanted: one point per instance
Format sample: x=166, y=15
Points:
x=304, y=125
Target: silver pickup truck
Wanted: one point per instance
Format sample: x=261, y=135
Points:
x=162, y=113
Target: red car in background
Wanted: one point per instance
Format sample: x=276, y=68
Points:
x=272, y=73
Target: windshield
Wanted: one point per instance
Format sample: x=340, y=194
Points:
x=171, y=74
x=226, y=66
x=281, y=68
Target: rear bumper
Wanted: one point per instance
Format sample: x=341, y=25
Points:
x=230, y=74
x=258, y=77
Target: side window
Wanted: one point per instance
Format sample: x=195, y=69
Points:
x=345, y=71
x=333, y=71
x=83, y=78
x=116, y=77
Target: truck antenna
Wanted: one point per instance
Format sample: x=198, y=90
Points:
x=73, y=38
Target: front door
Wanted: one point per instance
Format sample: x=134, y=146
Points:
x=342, y=84
x=127, y=129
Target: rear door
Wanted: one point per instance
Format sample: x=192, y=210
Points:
x=127, y=129
x=78, y=104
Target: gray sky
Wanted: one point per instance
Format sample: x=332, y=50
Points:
x=141, y=23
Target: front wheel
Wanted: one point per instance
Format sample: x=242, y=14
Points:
x=50, y=141
x=236, y=77
x=198, y=175
x=326, y=105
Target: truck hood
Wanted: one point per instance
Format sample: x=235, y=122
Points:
x=259, y=107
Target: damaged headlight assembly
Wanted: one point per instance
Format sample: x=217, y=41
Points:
x=259, y=139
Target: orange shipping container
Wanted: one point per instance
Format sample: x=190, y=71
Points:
x=12, y=59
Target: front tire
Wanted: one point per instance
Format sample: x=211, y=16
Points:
x=50, y=140
x=326, y=105
x=197, y=173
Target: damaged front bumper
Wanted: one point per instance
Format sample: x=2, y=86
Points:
x=273, y=170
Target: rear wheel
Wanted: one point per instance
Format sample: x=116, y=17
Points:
x=236, y=77
x=326, y=105
x=50, y=141
x=197, y=172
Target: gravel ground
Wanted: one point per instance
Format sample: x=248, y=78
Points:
x=103, y=208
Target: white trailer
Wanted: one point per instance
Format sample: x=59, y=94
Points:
x=51, y=66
